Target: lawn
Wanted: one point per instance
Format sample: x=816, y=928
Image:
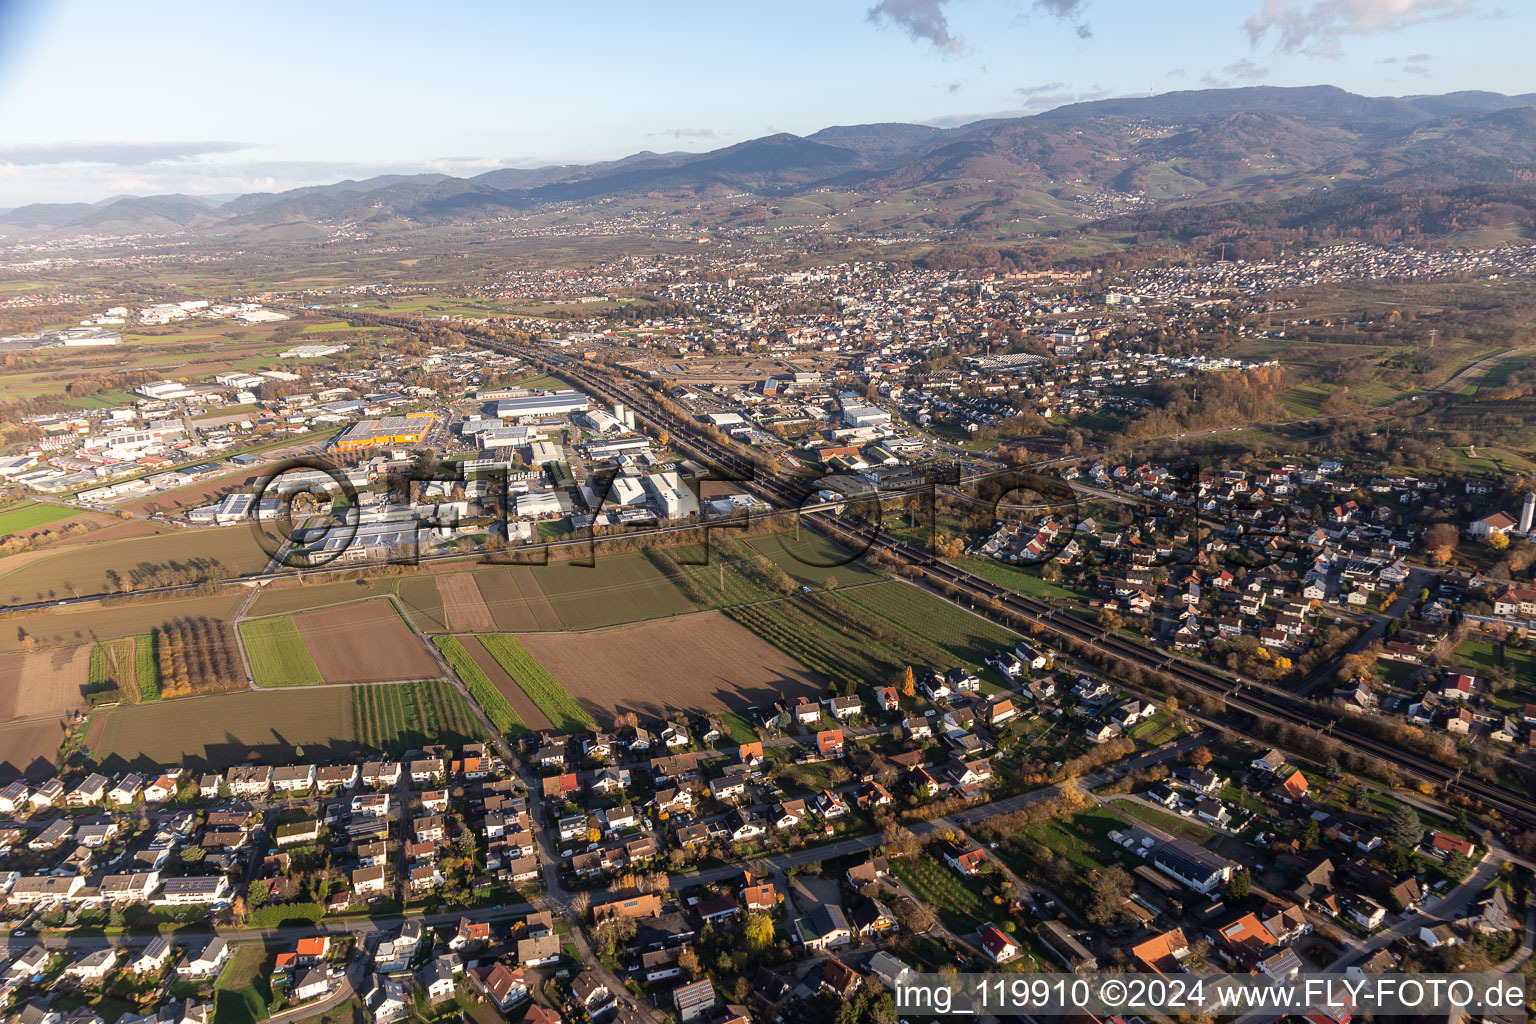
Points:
x=32, y=514
x=962, y=909
x=277, y=653
x=480, y=686
x=562, y=709
x=242, y=992
x=1082, y=840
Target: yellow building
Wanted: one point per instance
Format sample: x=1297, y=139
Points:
x=408, y=429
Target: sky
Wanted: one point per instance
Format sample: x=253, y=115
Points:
x=100, y=99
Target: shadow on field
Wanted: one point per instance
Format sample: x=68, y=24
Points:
x=727, y=696
x=233, y=751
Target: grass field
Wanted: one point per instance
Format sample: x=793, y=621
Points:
x=277, y=653
x=146, y=667
x=490, y=699
x=567, y=596
x=968, y=637
x=87, y=622
x=958, y=904
x=184, y=556
x=274, y=600
x=811, y=558
x=396, y=717
x=242, y=991
x=422, y=601
x=113, y=669
x=543, y=689
x=225, y=729
x=32, y=514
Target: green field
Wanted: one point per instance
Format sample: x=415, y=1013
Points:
x=396, y=717
x=968, y=637
x=420, y=596
x=146, y=667
x=32, y=514
x=564, y=711
x=242, y=991
x=225, y=729
x=480, y=686
x=955, y=899
x=277, y=653
x=275, y=600
x=811, y=558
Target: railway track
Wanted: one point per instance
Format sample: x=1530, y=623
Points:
x=1257, y=700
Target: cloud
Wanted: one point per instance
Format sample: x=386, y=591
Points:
x=1316, y=27
x=923, y=20
x=1415, y=65
x=1037, y=98
x=1067, y=10
x=121, y=154
x=954, y=86
x=1243, y=70
x=687, y=133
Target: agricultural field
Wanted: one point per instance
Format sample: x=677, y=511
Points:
x=566, y=596
x=703, y=662
x=278, y=598
x=28, y=749
x=277, y=653
x=812, y=558
x=396, y=717
x=197, y=655
x=29, y=515
x=49, y=683
x=493, y=699
x=542, y=688
x=423, y=602
x=968, y=637
x=225, y=729
x=86, y=623
x=463, y=606
x=366, y=642
x=113, y=672
x=521, y=704
x=185, y=556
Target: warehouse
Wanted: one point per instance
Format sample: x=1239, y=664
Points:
x=408, y=429
x=551, y=403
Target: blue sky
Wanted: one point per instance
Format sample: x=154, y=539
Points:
x=100, y=98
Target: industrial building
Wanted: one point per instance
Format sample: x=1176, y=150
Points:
x=408, y=429
x=551, y=403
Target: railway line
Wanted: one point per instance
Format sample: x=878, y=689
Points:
x=1259, y=701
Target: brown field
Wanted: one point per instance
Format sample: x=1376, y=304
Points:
x=702, y=662
x=462, y=604
x=51, y=682
x=28, y=748
x=526, y=709
x=365, y=642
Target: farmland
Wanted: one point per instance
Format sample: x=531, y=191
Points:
x=277, y=653
x=812, y=558
x=968, y=637
x=491, y=699
x=366, y=642
x=462, y=604
x=89, y=622
x=563, y=595
x=396, y=717
x=542, y=688
x=525, y=708
x=277, y=598
x=51, y=682
x=29, y=748
x=701, y=662
x=225, y=729
x=113, y=672
x=197, y=655
x=100, y=567
x=30, y=515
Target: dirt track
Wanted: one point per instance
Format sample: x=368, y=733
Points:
x=702, y=662
x=364, y=643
